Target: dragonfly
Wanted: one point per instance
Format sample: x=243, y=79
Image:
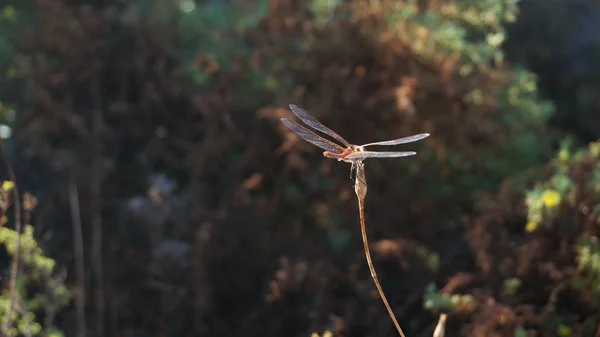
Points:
x=354, y=154
x=348, y=152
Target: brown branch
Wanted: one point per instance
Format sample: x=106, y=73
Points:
x=96, y=152
x=79, y=257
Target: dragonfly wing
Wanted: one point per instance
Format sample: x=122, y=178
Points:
x=312, y=137
x=374, y=154
x=403, y=140
x=315, y=124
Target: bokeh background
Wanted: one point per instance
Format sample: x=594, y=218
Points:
x=161, y=195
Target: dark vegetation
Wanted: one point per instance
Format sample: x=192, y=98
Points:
x=164, y=191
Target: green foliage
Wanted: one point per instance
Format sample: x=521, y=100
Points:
x=588, y=264
x=487, y=118
x=568, y=201
x=551, y=201
x=474, y=30
x=511, y=286
x=36, y=270
x=520, y=332
x=30, y=253
x=7, y=17
x=433, y=300
x=430, y=259
x=203, y=38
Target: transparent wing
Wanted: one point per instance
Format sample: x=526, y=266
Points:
x=403, y=140
x=315, y=124
x=312, y=137
x=373, y=154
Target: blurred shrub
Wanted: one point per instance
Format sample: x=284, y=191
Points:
x=569, y=202
x=407, y=67
x=202, y=187
x=40, y=293
x=549, y=237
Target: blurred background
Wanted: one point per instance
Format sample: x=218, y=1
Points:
x=160, y=195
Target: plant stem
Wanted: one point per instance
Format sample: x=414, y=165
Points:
x=360, y=188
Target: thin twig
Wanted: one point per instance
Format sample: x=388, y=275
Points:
x=440, y=327
x=15, y=262
x=96, y=152
x=360, y=188
x=79, y=257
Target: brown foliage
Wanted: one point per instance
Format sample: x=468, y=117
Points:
x=216, y=220
x=544, y=261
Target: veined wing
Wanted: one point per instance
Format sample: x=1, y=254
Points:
x=312, y=137
x=315, y=124
x=403, y=140
x=374, y=154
